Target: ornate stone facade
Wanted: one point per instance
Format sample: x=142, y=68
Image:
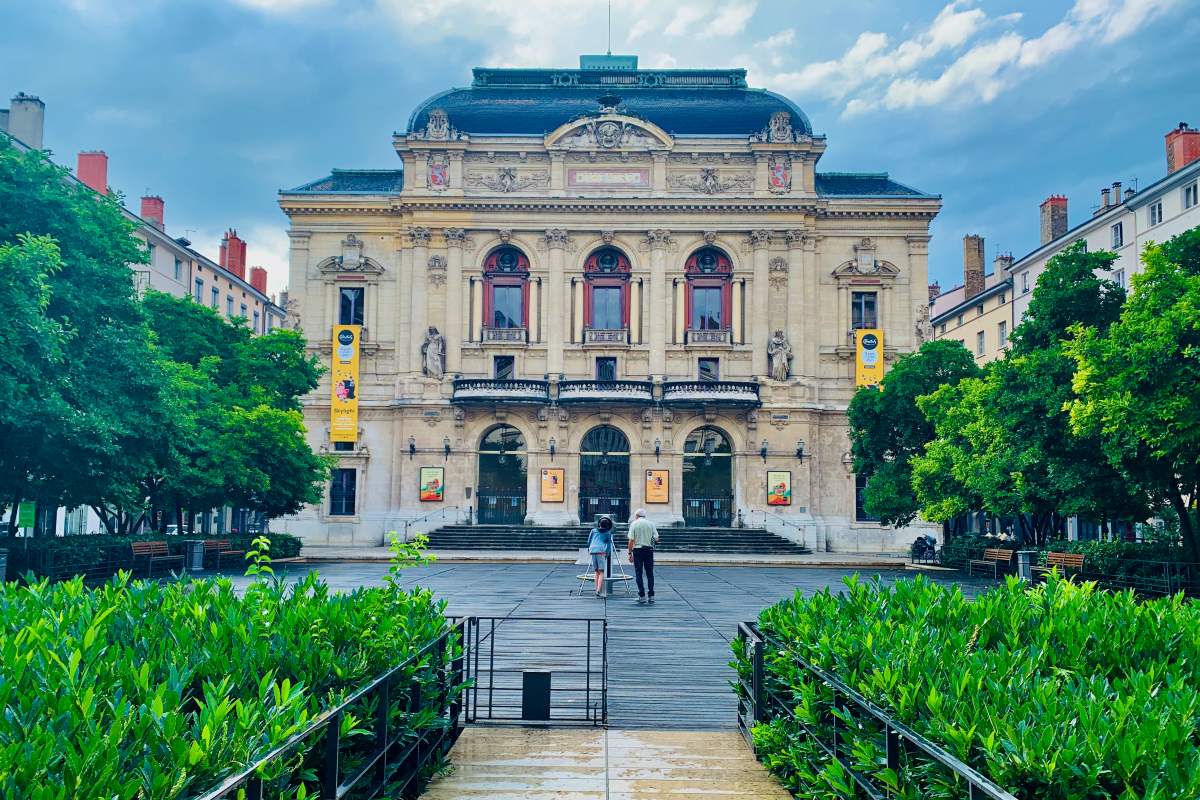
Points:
x=716, y=278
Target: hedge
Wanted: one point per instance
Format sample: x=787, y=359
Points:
x=157, y=690
x=1061, y=691
x=98, y=557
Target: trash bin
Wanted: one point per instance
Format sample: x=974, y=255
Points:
x=193, y=554
x=3, y=564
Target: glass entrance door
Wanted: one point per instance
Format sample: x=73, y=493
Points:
x=708, y=479
x=604, y=475
x=502, y=477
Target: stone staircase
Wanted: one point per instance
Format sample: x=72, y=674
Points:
x=754, y=541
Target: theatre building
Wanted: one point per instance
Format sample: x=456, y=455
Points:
x=588, y=291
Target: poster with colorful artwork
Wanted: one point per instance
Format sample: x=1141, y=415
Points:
x=343, y=422
x=658, y=486
x=869, y=357
x=433, y=484
x=553, y=490
x=779, y=488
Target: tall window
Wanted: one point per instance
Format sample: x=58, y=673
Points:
x=153, y=249
x=606, y=369
x=1119, y=277
x=216, y=297
x=709, y=370
x=243, y=312
x=1190, y=196
x=351, y=305
x=980, y=343
x=342, y=491
x=178, y=270
x=256, y=321
x=1118, y=234
x=506, y=288
x=979, y=310
x=508, y=307
x=199, y=291
x=229, y=305
x=1156, y=214
x=709, y=290
x=606, y=290
x=1002, y=334
x=1024, y=282
x=503, y=367
x=862, y=310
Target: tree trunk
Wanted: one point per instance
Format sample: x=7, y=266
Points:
x=1186, y=530
x=12, y=517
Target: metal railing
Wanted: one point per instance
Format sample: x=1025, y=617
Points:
x=505, y=335
x=573, y=649
x=500, y=509
x=392, y=755
x=441, y=512
x=766, y=515
x=1145, y=577
x=845, y=716
x=592, y=506
x=618, y=336
x=708, y=511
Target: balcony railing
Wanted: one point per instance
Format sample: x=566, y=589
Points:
x=709, y=336
x=618, y=336
x=510, y=335
x=723, y=393
x=491, y=390
x=605, y=392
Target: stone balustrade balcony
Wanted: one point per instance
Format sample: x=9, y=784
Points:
x=606, y=392
x=731, y=394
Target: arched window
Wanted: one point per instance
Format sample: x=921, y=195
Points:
x=506, y=289
x=606, y=290
x=709, y=300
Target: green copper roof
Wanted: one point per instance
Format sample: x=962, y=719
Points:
x=863, y=184
x=356, y=181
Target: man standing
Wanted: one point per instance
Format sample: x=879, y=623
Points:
x=642, y=538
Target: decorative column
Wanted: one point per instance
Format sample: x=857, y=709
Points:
x=557, y=317
x=658, y=240
x=401, y=332
x=918, y=284
x=759, y=310
x=298, y=285
x=420, y=264
x=456, y=239
x=798, y=289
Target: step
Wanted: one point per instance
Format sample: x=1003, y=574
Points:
x=674, y=539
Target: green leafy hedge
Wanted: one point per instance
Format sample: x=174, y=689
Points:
x=1061, y=691
x=98, y=557
x=156, y=690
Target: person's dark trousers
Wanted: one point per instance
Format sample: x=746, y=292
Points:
x=643, y=559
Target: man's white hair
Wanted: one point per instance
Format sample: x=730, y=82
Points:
x=641, y=512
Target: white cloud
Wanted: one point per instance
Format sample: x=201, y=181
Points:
x=731, y=20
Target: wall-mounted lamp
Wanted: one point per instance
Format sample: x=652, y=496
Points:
x=762, y=451
x=412, y=447
x=710, y=447
x=553, y=448
x=446, y=446
x=657, y=448
x=800, y=454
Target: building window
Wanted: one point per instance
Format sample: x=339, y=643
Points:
x=960, y=319
x=709, y=296
x=1003, y=298
x=1119, y=277
x=979, y=310
x=216, y=297
x=1118, y=234
x=178, y=270
x=243, y=311
x=229, y=305
x=342, y=491
x=709, y=370
x=503, y=367
x=256, y=318
x=980, y=343
x=1002, y=334
x=606, y=369
x=1024, y=283
x=860, y=513
x=606, y=290
x=942, y=328
x=152, y=249
x=506, y=288
x=343, y=447
x=350, y=305
x=199, y=293
x=1189, y=196
x=862, y=311
x=1156, y=214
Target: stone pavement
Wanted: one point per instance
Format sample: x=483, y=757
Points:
x=591, y=764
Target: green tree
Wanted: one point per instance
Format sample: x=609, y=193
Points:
x=1138, y=382
x=887, y=429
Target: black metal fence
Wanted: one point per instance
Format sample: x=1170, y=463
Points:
x=846, y=717
x=503, y=649
x=592, y=507
x=501, y=509
x=413, y=715
x=708, y=512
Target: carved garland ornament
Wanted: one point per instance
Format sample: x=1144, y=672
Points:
x=507, y=179
x=709, y=181
x=437, y=270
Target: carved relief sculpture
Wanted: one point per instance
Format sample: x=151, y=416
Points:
x=778, y=272
x=433, y=354
x=779, y=354
x=608, y=135
x=779, y=174
x=507, y=179
x=924, y=328
x=557, y=237
x=351, y=258
x=709, y=181
x=437, y=270
x=780, y=128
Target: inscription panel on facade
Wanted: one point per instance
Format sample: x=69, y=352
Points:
x=596, y=178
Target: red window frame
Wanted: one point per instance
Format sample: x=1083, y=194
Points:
x=719, y=278
x=594, y=278
x=493, y=276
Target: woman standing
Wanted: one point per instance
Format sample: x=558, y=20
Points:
x=600, y=543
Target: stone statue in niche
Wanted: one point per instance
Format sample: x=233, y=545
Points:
x=433, y=354
x=924, y=329
x=779, y=354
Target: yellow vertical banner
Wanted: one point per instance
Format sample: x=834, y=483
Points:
x=868, y=358
x=343, y=422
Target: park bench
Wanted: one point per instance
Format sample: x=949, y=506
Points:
x=220, y=548
x=1066, y=562
x=153, y=553
x=993, y=559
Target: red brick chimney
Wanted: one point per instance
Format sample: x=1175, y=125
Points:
x=92, y=169
x=152, y=210
x=1054, y=217
x=935, y=291
x=258, y=279
x=1183, y=147
x=233, y=254
x=973, y=282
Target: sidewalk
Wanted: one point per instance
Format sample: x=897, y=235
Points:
x=322, y=554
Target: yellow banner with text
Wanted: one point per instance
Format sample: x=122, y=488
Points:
x=343, y=422
x=868, y=357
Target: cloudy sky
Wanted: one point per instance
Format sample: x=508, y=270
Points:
x=217, y=104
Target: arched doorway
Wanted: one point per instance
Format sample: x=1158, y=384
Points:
x=502, y=477
x=708, y=478
x=604, y=474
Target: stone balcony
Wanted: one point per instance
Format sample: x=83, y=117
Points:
x=505, y=335
x=605, y=392
x=720, y=337
x=606, y=336
x=488, y=391
x=730, y=394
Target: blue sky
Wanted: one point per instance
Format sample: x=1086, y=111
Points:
x=217, y=104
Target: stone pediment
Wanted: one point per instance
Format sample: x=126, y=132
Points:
x=609, y=133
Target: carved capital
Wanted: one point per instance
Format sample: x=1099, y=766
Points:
x=455, y=237
x=759, y=239
x=659, y=239
x=557, y=238
x=420, y=236
x=794, y=237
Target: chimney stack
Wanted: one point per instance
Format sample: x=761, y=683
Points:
x=26, y=119
x=1183, y=147
x=1104, y=201
x=973, y=282
x=1116, y=193
x=233, y=254
x=935, y=291
x=91, y=168
x=1054, y=217
x=152, y=210
x=258, y=279
x=1002, y=264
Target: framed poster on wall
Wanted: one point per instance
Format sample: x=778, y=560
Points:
x=658, y=486
x=553, y=489
x=779, y=488
x=433, y=484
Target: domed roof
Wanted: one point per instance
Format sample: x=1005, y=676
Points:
x=681, y=102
